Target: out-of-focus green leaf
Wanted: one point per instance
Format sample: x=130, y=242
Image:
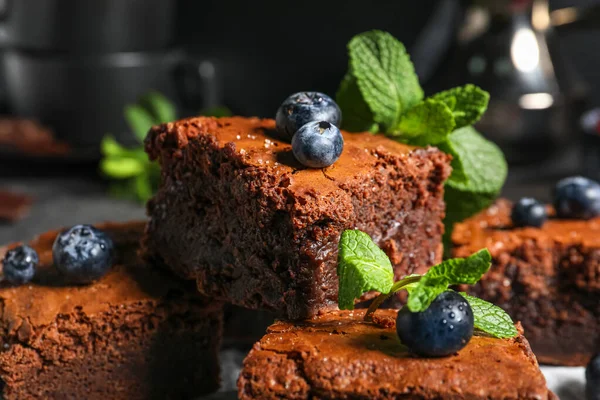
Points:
x=140, y=121
x=122, y=168
x=160, y=108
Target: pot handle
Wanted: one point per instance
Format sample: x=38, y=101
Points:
x=197, y=83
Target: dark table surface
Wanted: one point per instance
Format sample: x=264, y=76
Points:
x=71, y=193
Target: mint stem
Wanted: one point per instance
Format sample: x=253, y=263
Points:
x=401, y=284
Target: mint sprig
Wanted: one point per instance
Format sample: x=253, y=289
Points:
x=485, y=171
x=385, y=76
x=134, y=176
x=363, y=266
x=427, y=123
x=357, y=114
x=468, y=103
x=455, y=271
x=490, y=318
x=381, y=93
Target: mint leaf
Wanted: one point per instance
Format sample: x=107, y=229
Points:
x=384, y=75
x=460, y=205
x=427, y=123
x=468, y=103
x=122, y=168
x=357, y=117
x=362, y=266
x=140, y=121
x=485, y=169
x=490, y=318
x=482, y=161
x=450, y=272
x=109, y=147
x=159, y=107
x=458, y=172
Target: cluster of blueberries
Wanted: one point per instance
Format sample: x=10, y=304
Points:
x=82, y=254
x=575, y=198
x=311, y=121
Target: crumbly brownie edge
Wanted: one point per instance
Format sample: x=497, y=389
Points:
x=536, y=284
x=273, y=243
x=550, y=286
x=136, y=351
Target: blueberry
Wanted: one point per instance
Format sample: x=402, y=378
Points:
x=592, y=379
x=443, y=329
x=301, y=108
x=83, y=253
x=529, y=212
x=317, y=144
x=19, y=264
x=577, y=197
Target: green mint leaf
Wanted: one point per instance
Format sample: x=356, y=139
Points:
x=482, y=161
x=384, y=75
x=159, y=107
x=140, y=121
x=427, y=123
x=219, y=111
x=459, y=206
x=109, y=147
x=458, y=172
x=122, y=168
x=490, y=318
x=362, y=266
x=450, y=272
x=468, y=103
x=357, y=117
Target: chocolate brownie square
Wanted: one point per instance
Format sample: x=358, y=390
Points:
x=548, y=278
x=236, y=212
x=339, y=356
x=137, y=333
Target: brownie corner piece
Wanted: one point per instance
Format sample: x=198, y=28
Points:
x=548, y=278
x=236, y=212
x=139, y=332
x=337, y=355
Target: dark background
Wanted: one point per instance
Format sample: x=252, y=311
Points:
x=268, y=48
x=263, y=51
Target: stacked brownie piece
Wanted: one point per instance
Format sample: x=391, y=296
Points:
x=236, y=212
x=340, y=356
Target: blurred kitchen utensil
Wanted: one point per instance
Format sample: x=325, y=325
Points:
x=87, y=26
x=508, y=48
x=82, y=96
